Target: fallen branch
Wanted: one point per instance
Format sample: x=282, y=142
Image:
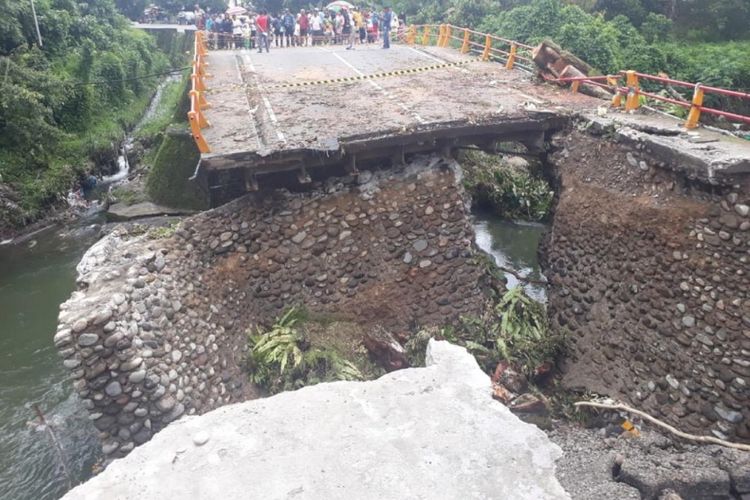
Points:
x=523, y=278
x=664, y=425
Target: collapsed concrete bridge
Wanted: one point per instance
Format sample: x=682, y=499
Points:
x=647, y=255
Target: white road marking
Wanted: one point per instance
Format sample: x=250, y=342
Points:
x=388, y=94
x=428, y=56
x=269, y=109
x=247, y=98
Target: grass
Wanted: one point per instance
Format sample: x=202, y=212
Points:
x=164, y=114
x=128, y=196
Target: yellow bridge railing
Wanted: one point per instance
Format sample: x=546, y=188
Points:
x=513, y=54
x=198, y=102
x=490, y=47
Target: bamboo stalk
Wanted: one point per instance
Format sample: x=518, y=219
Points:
x=664, y=425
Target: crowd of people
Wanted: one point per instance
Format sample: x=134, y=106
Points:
x=262, y=30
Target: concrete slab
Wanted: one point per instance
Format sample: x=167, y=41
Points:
x=431, y=432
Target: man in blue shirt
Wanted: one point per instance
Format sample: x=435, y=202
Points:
x=288, y=21
x=385, y=27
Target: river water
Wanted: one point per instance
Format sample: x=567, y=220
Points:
x=513, y=244
x=34, y=280
x=39, y=274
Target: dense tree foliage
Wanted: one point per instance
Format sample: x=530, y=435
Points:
x=65, y=99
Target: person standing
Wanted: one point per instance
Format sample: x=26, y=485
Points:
x=236, y=32
x=278, y=31
x=346, y=28
x=262, y=25
x=385, y=27
x=226, y=32
x=359, y=25
x=288, y=22
x=304, y=26
x=316, y=25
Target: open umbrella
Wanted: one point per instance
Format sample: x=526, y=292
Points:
x=236, y=10
x=338, y=5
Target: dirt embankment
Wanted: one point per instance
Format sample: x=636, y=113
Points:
x=650, y=284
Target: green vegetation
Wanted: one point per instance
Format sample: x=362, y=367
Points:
x=511, y=191
x=174, y=164
x=283, y=358
x=514, y=330
x=70, y=100
x=700, y=41
x=522, y=336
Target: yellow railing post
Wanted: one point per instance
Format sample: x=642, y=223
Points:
x=632, y=101
x=617, y=97
x=200, y=45
x=447, y=35
x=200, y=99
x=512, y=56
x=426, y=35
x=465, y=45
x=195, y=129
x=575, y=85
x=695, y=110
x=412, y=36
x=487, y=47
x=198, y=82
x=441, y=36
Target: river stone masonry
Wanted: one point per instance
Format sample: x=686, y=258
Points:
x=649, y=274
x=158, y=327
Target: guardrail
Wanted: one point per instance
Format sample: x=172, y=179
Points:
x=510, y=52
x=632, y=92
x=197, y=98
x=490, y=47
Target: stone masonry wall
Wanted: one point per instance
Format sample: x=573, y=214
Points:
x=650, y=283
x=158, y=327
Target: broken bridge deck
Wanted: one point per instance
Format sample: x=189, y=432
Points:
x=304, y=109
x=319, y=106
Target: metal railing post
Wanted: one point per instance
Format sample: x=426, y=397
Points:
x=426, y=35
x=512, y=56
x=695, y=110
x=195, y=129
x=632, y=101
x=465, y=45
x=447, y=35
x=487, y=47
x=412, y=36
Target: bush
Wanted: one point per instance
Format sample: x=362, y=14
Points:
x=511, y=192
x=281, y=358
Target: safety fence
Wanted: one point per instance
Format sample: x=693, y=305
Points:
x=632, y=92
x=516, y=54
x=198, y=102
x=489, y=47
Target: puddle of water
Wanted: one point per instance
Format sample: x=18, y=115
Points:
x=513, y=245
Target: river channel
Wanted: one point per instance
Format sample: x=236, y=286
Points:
x=39, y=274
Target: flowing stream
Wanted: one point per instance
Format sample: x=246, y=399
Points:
x=513, y=245
x=35, y=277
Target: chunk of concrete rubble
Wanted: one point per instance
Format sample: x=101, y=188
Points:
x=431, y=432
